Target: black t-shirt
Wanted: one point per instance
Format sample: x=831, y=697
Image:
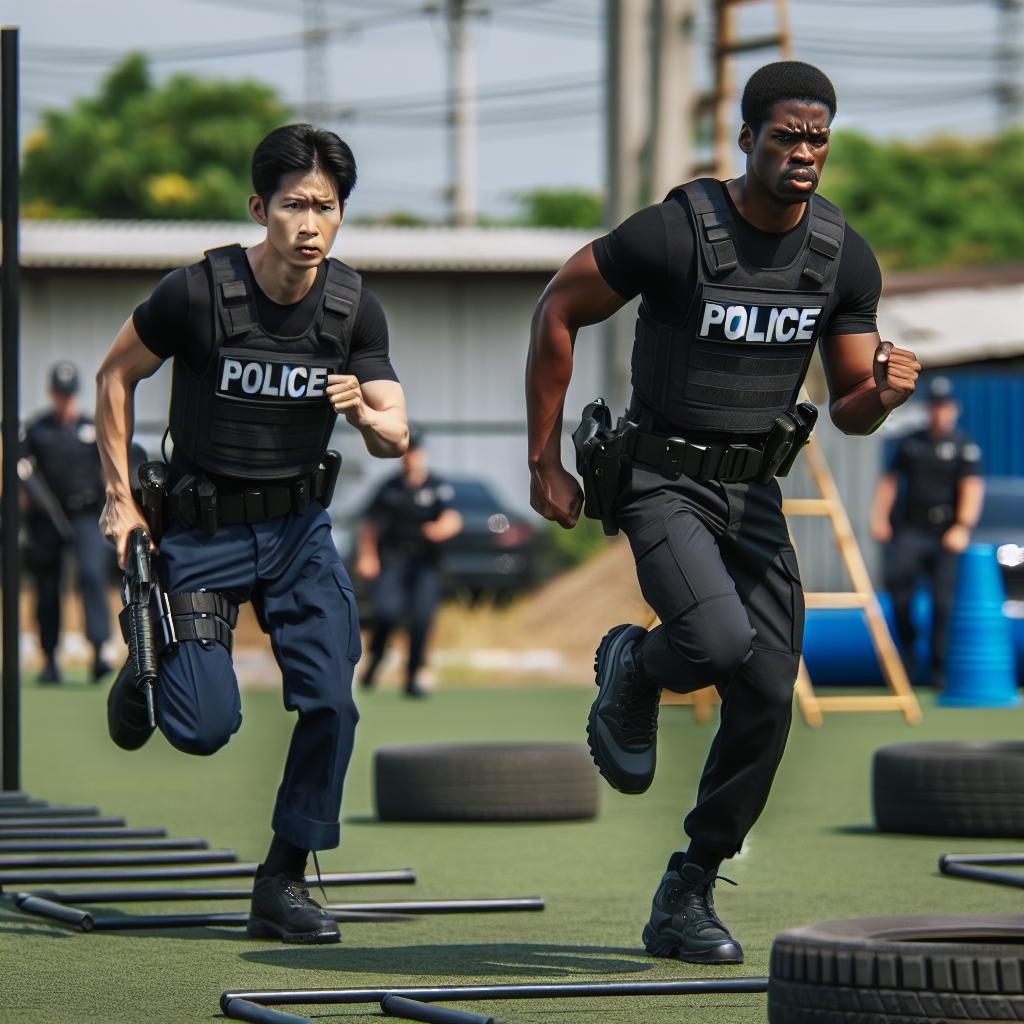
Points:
x=654, y=253
x=170, y=324
x=68, y=460
x=399, y=512
x=932, y=469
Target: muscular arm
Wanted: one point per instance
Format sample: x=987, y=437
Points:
x=969, y=498
x=447, y=525
x=576, y=296
x=867, y=379
x=376, y=409
x=881, y=508
x=127, y=362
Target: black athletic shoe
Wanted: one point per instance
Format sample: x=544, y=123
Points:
x=623, y=724
x=127, y=714
x=683, y=921
x=50, y=674
x=100, y=668
x=282, y=909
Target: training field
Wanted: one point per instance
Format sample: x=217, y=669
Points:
x=811, y=857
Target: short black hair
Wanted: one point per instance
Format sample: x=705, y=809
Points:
x=301, y=147
x=785, y=80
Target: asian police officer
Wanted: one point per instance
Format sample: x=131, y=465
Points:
x=269, y=344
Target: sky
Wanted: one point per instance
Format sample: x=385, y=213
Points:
x=902, y=69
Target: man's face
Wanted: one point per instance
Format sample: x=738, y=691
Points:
x=64, y=405
x=789, y=150
x=415, y=461
x=942, y=417
x=302, y=217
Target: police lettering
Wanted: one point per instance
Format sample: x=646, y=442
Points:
x=248, y=379
x=750, y=323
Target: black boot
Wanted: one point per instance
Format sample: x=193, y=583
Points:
x=282, y=909
x=50, y=675
x=127, y=714
x=683, y=921
x=623, y=725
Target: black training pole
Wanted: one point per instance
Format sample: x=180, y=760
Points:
x=174, y=874
x=8, y=825
x=242, y=1009
x=9, y=388
x=467, y=993
x=97, y=845
x=428, y=1013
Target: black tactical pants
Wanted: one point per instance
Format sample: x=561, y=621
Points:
x=716, y=564
x=914, y=552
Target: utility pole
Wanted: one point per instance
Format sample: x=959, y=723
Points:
x=674, y=96
x=314, y=57
x=1009, y=60
x=462, y=115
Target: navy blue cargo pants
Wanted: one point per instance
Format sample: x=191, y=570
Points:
x=290, y=570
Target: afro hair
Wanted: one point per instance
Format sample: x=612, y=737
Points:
x=785, y=80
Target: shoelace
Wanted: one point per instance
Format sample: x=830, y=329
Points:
x=319, y=877
x=704, y=896
x=639, y=706
x=298, y=891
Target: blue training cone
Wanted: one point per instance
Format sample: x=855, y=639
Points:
x=980, y=667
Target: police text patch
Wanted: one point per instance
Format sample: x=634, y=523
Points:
x=747, y=322
x=252, y=379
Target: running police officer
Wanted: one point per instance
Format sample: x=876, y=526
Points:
x=268, y=345
x=739, y=281
x=407, y=521
x=928, y=526
x=64, y=498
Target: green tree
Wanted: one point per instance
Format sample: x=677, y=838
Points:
x=560, y=208
x=940, y=203
x=138, y=150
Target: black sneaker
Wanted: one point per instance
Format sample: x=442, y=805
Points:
x=50, y=675
x=282, y=909
x=623, y=724
x=683, y=921
x=127, y=714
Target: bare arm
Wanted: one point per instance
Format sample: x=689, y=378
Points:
x=376, y=409
x=127, y=362
x=367, y=559
x=867, y=379
x=444, y=527
x=970, y=496
x=576, y=296
x=881, y=508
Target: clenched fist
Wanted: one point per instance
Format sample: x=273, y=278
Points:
x=895, y=371
x=556, y=495
x=346, y=396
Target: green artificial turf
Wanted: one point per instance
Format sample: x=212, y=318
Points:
x=811, y=857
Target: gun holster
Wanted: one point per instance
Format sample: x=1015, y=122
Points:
x=604, y=461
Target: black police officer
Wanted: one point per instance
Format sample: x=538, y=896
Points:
x=739, y=281
x=928, y=525
x=407, y=521
x=269, y=344
x=60, y=446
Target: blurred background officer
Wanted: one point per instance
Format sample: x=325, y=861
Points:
x=64, y=504
x=399, y=547
x=925, y=508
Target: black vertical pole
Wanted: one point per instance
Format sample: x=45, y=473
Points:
x=9, y=387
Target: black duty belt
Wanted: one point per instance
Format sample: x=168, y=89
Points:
x=673, y=457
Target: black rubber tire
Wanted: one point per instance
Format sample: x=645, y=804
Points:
x=950, y=789
x=485, y=782
x=899, y=970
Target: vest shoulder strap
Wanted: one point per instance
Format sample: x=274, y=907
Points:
x=712, y=218
x=231, y=296
x=339, y=303
x=824, y=241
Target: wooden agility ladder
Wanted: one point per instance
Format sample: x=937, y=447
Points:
x=900, y=696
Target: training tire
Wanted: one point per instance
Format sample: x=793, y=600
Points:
x=950, y=789
x=899, y=970
x=485, y=782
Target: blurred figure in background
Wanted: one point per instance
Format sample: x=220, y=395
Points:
x=399, y=548
x=929, y=524
x=64, y=501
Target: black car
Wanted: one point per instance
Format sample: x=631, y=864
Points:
x=492, y=553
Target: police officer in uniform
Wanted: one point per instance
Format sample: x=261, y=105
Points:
x=407, y=521
x=60, y=445
x=268, y=345
x=929, y=525
x=739, y=281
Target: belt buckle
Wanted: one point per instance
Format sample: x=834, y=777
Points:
x=674, y=458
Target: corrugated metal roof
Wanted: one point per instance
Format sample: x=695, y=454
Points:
x=158, y=245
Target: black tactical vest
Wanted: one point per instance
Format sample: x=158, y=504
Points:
x=741, y=356
x=259, y=409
